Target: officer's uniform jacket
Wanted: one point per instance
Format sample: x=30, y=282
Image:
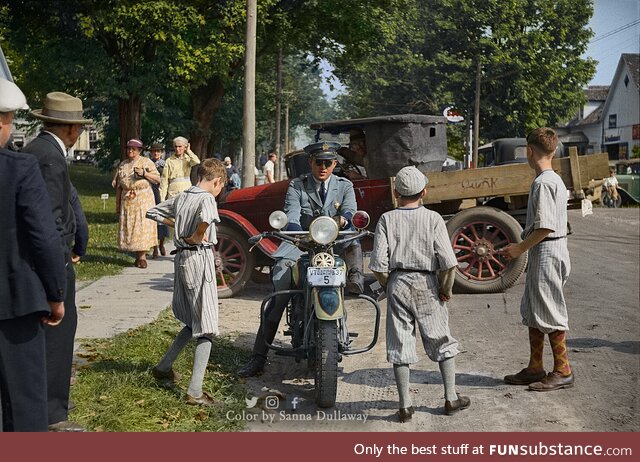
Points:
x=302, y=204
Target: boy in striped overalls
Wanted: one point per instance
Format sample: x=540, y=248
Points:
x=193, y=213
x=543, y=307
x=411, y=244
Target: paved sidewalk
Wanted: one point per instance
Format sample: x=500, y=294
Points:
x=115, y=304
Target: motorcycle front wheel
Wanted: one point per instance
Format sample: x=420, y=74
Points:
x=326, y=363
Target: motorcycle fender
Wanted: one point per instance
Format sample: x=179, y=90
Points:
x=328, y=303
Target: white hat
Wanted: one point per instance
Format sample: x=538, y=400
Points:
x=11, y=97
x=410, y=181
x=227, y=159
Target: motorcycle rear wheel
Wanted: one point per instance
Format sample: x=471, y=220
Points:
x=326, y=363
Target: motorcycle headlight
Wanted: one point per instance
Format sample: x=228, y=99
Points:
x=278, y=219
x=324, y=230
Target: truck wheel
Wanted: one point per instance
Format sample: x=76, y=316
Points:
x=476, y=234
x=326, y=363
x=234, y=262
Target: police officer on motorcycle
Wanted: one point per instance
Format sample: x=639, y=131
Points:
x=309, y=196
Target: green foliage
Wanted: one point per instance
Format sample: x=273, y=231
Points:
x=529, y=51
x=103, y=256
x=115, y=391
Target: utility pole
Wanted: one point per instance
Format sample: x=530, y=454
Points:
x=476, y=115
x=277, y=168
x=249, y=109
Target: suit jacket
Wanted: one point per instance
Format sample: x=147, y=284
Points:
x=303, y=203
x=32, y=267
x=53, y=167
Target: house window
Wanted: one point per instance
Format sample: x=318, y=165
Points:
x=613, y=120
x=93, y=138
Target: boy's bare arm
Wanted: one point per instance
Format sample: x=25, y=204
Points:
x=198, y=235
x=446, y=278
x=382, y=278
x=515, y=250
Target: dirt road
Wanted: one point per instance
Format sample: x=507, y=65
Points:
x=603, y=344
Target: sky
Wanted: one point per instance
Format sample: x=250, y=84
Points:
x=616, y=27
x=616, y=24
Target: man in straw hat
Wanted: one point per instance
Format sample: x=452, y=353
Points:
x=62, y=122
x=32, y=279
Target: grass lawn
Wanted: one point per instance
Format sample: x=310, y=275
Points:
x=103, y=257
x=116, y=392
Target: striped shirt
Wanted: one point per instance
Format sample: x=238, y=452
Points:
x=411, y=239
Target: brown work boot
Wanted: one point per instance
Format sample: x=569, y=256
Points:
x=405, y=414
x=451, y=407
x=524, y=377
x=553, y=381
x=168, y=376
x=203, y=400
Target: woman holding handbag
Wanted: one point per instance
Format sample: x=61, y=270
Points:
x=133, y=182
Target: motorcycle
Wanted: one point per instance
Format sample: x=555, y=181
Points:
x=316, y=314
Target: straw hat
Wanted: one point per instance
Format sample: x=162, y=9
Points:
x=62, y=109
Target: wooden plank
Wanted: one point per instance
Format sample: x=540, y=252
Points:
x=509, y=180
x=575, y=172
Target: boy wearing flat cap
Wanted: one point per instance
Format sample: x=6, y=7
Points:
x=406, y=262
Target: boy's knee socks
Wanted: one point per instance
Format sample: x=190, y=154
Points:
x=200, y=361
x=174, y=350
x=448, y=371
x=401, y=372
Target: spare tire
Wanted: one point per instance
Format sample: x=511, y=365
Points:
x=476, y=235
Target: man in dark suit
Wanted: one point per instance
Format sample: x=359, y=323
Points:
x=32, y=278
x=62, y=125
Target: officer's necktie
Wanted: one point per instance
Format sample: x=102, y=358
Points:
x=323, y=191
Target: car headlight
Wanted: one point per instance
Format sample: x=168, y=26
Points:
x=278, y=219
x=324, y=230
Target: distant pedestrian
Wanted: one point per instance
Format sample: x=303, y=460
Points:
x=269, y=168
x=543, y=307
x=32, y=279
x=135, y=176
x=233, y=175
x=156, y=154
x=195, y=295
x=176, y=175
x=407, y=263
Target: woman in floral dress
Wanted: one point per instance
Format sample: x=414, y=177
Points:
x=133, y=180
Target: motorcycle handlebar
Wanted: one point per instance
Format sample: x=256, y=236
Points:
x=295, y=238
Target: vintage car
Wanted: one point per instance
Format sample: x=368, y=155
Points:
x=628, y=175
x=504, y=151
x=477, y=231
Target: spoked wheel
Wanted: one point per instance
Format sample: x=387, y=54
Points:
x=476, y=235
x=326, y=363
x=234, y=262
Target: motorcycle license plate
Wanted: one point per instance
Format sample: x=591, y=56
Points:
x=325, y=276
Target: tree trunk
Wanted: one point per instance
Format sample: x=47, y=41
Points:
x=249, y=109
x=206, y=101
x=130, y=126
x=278, y=115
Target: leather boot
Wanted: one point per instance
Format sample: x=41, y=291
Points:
x=355, y=276
x=255, y=366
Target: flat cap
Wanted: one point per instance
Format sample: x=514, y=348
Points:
x=410, y=181
x=322, y=150
x=11, y=97
x=156, y=147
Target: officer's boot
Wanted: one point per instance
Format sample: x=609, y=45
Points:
x=355, y=276
x=255, y=366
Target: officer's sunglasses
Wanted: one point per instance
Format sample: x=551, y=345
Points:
x=326, y=162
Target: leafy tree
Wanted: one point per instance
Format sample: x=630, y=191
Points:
x=529, y=51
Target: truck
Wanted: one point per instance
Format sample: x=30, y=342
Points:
x=484, y=208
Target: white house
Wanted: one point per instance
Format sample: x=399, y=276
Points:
x=585, y=130
x=621, y=110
